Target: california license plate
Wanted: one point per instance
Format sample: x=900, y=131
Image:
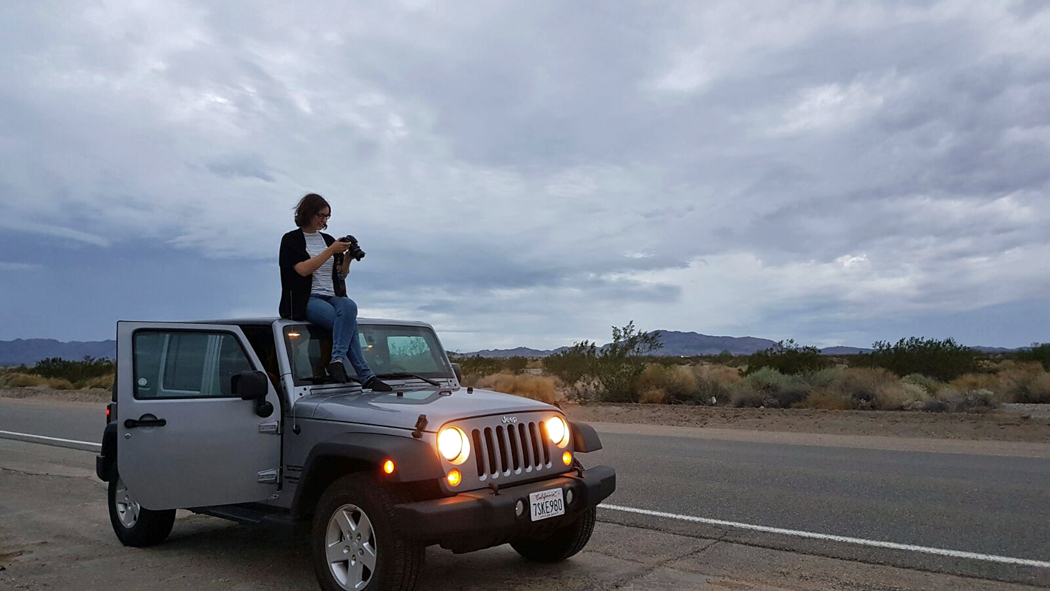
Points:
x=547, y=503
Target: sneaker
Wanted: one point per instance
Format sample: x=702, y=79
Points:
x=376, y=385
x=336, y=370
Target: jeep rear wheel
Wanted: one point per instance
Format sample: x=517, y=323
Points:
x=358, y=542
x=134, y=525
x=564, y=542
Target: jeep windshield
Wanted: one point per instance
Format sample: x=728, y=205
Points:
x=389, y=349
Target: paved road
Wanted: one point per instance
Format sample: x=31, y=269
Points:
x=996, y=505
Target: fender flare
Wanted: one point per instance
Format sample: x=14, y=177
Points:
x=106, y=462
x=585, y=438
x=414, y=461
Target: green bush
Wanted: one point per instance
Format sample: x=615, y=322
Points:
x=73, y=371
x=789, y=358
x=573, y=364
x=770, y=388
x=619, y=364
x=943, y=360
x=930, y=385
x=1037, y=352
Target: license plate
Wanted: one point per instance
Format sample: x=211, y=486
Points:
x=547, y=503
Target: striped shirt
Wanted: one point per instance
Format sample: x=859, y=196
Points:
x=322, y=282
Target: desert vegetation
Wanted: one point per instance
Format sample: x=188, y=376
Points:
x=912, y=374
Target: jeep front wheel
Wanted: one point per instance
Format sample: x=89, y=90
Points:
x=358, y=542
x=134, y=525
x=564, y=542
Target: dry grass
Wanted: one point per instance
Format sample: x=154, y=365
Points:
x=101, y=382
x=540, y=388
x=656, y=396
x=825, y=400
x=22, y=380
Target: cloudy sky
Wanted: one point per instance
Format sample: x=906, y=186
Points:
x=532, y=173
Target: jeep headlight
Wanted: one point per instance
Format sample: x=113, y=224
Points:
x=453, y=445
x=558, y=431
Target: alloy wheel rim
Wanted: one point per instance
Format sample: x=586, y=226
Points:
x=350, y=547
x=127, y=508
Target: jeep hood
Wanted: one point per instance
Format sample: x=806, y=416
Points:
x=390, y=410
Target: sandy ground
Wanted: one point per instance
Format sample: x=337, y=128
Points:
x=1022, y=423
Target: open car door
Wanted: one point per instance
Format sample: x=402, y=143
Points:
x=185, y=438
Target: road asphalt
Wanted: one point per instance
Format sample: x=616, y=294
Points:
x=954, y=499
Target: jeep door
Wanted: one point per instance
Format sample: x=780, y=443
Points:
x=183, y=438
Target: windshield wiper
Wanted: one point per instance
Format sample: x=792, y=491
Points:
x=401, y=374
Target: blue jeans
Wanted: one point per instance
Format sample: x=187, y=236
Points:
x=339, y=315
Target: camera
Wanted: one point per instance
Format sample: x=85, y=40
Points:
x=355, y=249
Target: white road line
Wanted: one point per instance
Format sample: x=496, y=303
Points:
x=46, y=440
x=844, y=539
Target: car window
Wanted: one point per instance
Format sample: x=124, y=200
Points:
x=186, y=364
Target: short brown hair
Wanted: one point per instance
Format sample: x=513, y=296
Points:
x=310, y=205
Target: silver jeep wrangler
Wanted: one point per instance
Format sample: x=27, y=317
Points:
x=237, y=419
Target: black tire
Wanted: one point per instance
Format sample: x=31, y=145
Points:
x=398, y=559
x=151, y=527
x=563, y=543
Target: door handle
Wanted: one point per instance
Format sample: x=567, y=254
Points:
x=145, y=421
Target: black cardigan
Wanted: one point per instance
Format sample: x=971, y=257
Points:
x=295, y=289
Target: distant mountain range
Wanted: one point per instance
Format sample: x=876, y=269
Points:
x=676, y=343
x=29, y=351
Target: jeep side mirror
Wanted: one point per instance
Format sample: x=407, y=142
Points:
x=253, y=385
x=456, y=369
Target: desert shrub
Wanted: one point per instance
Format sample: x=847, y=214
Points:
x=572, y=364
x=476, y=366
x=536, y=387
x=862, y=385
x=926, y=383
x=677, y=382
x=979, y=400
x=789, y=358
x=618, y=364
x=741, y=395
x=654, y=396
x=943, y=360
x=826, y=400
x=59, y=384
x=101, y=382
x=1026, y=383
x=1037, y=352
x=22, y=380
x=823, y=378
x=915, y=396
x=712, y=391
x=73, y=371
x=516, y=364
x=934, y=405
x=975, y=381
x=776, y=389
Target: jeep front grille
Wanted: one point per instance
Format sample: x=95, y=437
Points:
x=504, y=450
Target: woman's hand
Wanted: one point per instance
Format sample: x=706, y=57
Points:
x=339, y=247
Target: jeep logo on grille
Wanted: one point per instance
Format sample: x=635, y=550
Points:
x=507, y=420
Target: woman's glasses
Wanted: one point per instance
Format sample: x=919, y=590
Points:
x=324, y=216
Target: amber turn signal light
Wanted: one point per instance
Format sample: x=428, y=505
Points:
x=388, y=466
x=454, y=477
x=566, y=458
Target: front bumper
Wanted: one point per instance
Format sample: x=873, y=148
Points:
x=480, y=519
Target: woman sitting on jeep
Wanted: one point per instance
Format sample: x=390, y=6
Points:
x=313, y=288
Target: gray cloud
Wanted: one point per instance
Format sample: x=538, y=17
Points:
x=533, y=175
